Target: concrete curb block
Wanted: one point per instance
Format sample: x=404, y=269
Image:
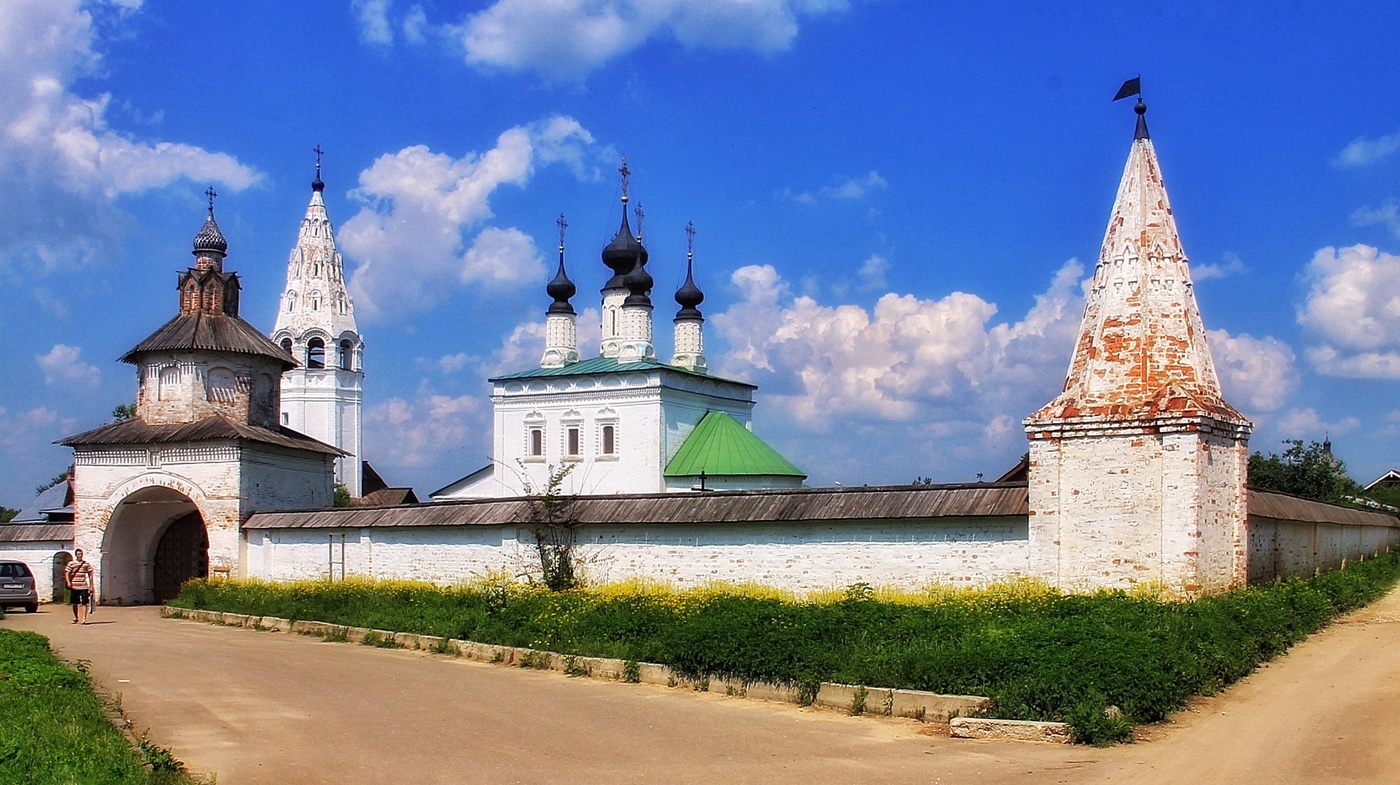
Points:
x=850, y=698
x=1010, y=730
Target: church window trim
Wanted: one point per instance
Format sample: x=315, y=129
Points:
x=607, y=426
x=347, y=355
x=534, y=438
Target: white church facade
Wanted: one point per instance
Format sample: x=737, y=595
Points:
x=623, y=421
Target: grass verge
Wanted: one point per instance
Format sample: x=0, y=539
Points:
x=1101, y=662
x=55, y=730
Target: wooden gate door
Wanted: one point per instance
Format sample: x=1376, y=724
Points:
x=182, y=554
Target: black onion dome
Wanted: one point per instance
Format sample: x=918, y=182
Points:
x=210, y=239
x=317, y=185
x=689, y=297
x=622, y=254
x=561, y=289
x=638, y=283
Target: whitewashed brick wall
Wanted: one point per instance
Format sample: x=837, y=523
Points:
x=797, y=556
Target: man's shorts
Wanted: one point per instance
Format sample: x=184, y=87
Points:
x=79, y=596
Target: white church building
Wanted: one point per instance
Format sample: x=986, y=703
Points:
x=623, y=421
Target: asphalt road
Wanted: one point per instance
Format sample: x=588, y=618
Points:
x=260, y=707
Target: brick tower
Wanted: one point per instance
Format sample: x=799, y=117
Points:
x=1137, y=469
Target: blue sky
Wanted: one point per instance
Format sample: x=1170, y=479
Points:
x=895, y=203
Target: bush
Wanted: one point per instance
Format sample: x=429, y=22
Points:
x=1037, y=654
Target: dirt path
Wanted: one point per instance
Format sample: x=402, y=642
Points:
x=258, y=707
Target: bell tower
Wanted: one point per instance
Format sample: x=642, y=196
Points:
x=322, y=397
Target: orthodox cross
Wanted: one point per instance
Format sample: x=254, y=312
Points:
x=689, y=240
x=211, y=193
x=562, y=224
x=640, y=215
x=319, y=152
x=626, y=174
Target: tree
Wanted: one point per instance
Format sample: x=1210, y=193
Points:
x=553, y=521
x=124, y=411
x=58, y=478
x=1309, y=471
x=7, y=514
x=342, y=496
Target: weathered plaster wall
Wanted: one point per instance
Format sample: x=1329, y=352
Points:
x=797, y=556
x=40, y=558
x=1115, y=509
x=1285, y=548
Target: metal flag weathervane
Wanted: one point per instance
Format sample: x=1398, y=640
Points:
x=1132, y=87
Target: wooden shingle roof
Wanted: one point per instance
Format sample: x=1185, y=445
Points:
x=209, y=332
x=976, y=500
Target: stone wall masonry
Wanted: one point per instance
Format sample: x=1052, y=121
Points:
x=1287, y=548
x=1010, y=730
x=798, y=556
x=850, y=699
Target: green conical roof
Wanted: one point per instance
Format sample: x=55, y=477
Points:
x=720, y=446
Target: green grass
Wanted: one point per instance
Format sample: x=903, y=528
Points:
x=1036, y=653
x=54, y=730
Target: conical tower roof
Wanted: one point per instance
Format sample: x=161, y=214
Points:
x=1142, y=345
x=316, y=296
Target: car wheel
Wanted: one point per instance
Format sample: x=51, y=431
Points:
x=32, y=607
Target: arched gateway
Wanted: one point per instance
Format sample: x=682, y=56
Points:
x=161, y=497
x=154, y=542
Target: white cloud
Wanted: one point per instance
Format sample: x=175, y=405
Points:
x=505, y=257
x=907, y=360
x=373, y=18
x=567, y=39
x=1229, y=265
x=1353, y=311
x=63, y=365
x=1308, y=424
x=417, y=433
x=872, y=272
x=848, y=189
x=22, y=430
x=1258, y=374
x=524, y=345
x=1387, y=215
x=407, y=240
x=61, y=164
x=1363, y=151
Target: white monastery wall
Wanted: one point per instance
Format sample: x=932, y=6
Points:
x=40, y=557
x=798, y=556
x=1285, y=548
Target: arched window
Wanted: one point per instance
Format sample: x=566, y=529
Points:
x=291, y=301
x=536, y=442
x=315, y=353
x=169, y=383
x=571, y=447
x=609, y=439
x=347, y=355
x=287, y=345
x=220, y=386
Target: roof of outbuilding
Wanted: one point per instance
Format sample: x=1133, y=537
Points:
x=975, y=500
x=1285, y=507
x=36, y=532
x=719, y=446
x=137, y=431
x=210, y=332
x=56, y=499
x=599, y=365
